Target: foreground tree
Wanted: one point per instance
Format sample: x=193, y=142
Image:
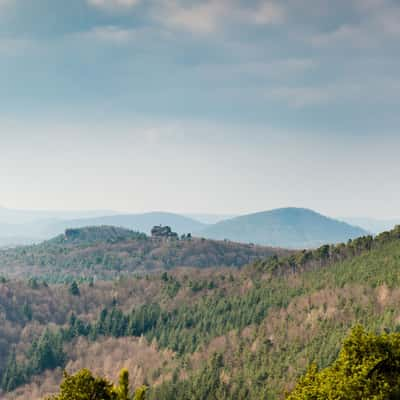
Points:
x=140, y=393
x=84, y=386
x=368, y=367
x=123, y=388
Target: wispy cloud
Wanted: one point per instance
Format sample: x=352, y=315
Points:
x=349, y=35
x=111, y=33
x=205, y=17
x=375, y=22
x=113, y=4
x=200, y=18
x=272, y=69
x=389, y=21
x=384, y=90
x=368, y=6
x=266, y=13
x=222, y=58
x=300, y=97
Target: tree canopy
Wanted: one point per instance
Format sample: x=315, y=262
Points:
x=84, y=386
x=368, y=367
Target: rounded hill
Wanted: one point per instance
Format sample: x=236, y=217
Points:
x=284, y=227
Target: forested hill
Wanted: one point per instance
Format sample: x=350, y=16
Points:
x=95, y=234
x=106, y=252
x=286, y=227
x=196, y=334
x=138, y=222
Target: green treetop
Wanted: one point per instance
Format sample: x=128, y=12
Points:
x=368, y=367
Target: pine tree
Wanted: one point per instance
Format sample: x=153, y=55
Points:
x=84, y=386
x=140, y=393
x=12, y=376
x=74, y=289
x=123, y=388
x=368, y=367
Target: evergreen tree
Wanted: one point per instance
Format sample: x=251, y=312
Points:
x=12, y=376
x=84, y=386
x=46, y=353
x=27, y=311
x=368, y=367
x=140, y=393
x=123, y=388
x=74, y=289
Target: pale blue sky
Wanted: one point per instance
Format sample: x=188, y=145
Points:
x=221, y=106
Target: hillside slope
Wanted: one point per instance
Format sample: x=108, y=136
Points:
x=258, y=328
x=107, y=252
x=285, y=227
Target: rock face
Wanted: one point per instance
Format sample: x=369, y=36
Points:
x=163, y=232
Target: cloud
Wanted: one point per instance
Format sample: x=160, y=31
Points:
x=355, y=36
x=272, y=69
x=267, y=13
x=388, y=21
x=368, y=6
x=375, y=21
x=200, y=18
x=113, y=34
x=300, y=97
x=378, y=91
x=113, y=4
x=210, y=16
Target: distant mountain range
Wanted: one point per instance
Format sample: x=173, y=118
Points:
x=286, y=227
x=210, y=219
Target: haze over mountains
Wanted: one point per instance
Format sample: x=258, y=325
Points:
x=373, y=225
x=11, y=216
x=286, y=227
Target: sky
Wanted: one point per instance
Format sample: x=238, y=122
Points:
x=213, y=106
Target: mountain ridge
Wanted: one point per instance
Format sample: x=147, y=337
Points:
x=283, y=227
x=288, y=227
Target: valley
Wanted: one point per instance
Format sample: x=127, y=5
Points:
x=199, y=200
x=259, y=326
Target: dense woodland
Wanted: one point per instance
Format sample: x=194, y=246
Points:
x=216, y=333
x=103, y=253
x=367, y=367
